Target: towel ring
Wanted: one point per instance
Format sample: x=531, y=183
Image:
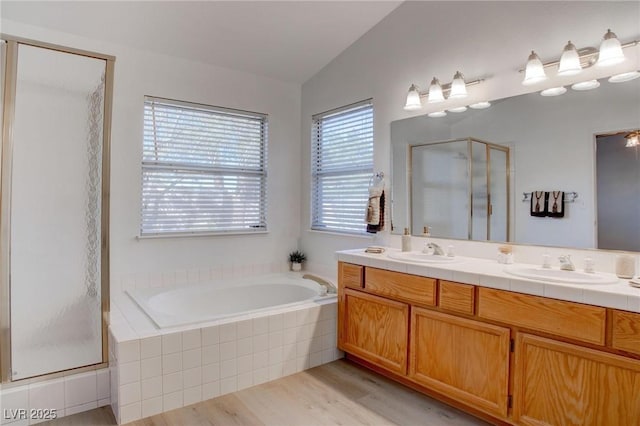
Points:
x=377, y=179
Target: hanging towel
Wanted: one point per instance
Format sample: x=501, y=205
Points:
x=555, y=205
x=373, y=207
x=377, y=211
x=538, y=206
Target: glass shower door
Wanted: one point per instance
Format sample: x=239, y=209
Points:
x=55, y=212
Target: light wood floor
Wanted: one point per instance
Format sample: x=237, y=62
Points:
x=339, y=393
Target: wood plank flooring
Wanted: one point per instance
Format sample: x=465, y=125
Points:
x=339, y=393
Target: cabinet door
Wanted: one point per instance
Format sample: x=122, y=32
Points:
x=463, y=359
x=562, y=384
x=376, y=329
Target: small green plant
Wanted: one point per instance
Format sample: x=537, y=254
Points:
x=297, y=257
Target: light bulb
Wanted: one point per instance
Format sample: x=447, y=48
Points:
x=569, y=61
x=534, y=72
x=633, y=139
x=586, y=85
x=413, y=99
x=610, y=50
x=625, y=76
x=458, y=87
x=480, y=105
x=554, y=91
x=458, y=109
x=435, y=92
x=437, y=114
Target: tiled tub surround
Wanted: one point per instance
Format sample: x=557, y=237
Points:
x=489, y=273
x=154, y=371
x=67, y=394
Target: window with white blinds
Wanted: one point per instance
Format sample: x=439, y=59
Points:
x=203, y=169
x=342, y=164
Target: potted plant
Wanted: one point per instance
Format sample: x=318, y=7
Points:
x=296, y=258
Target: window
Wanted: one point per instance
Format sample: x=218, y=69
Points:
x=342, y=164
x=203, y=169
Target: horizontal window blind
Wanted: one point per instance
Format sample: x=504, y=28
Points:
x=203, y=169
x=342, y=164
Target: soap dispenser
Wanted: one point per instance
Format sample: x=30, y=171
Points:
x=406, y=240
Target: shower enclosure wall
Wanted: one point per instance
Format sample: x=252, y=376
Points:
x=460, y=189
x=54, y=208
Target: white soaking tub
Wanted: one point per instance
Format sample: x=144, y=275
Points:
x=170, y=307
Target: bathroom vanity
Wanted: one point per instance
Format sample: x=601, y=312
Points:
x=509, y=357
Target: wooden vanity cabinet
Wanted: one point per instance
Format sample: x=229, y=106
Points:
x=461, y=358
x=375, y=329
x=516, y=358
x=558, y=383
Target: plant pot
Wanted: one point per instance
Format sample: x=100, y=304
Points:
x=295, y=266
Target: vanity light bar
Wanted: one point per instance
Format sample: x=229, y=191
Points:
x=446, y=88
x=587, y=56
x=438, y=92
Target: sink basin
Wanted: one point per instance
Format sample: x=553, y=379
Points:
x=416, y=256
x=559, y=276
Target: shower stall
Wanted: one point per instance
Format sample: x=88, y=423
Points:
x=460, y=189
x=54, y=208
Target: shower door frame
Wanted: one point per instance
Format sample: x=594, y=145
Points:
x=11, y=67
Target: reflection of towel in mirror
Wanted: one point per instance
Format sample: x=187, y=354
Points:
x=375, y=211
x=555, y=204
x=539, y=203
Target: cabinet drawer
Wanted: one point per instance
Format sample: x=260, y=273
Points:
x=567, y=319
x=456, y=297
x=626, y=331
x=405, y=287
x=350, y=275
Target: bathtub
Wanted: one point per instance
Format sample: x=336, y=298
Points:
x=171, y=307
x=171, y=347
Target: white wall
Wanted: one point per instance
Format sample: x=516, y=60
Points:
x=420, y=40
x=175, y=260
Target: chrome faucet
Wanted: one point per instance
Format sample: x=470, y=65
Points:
x=437, y=250
x=331, y=289
x=565, y=263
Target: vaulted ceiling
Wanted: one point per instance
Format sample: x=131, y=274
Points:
x=286, y=40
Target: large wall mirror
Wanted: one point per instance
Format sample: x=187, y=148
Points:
x=573, y=143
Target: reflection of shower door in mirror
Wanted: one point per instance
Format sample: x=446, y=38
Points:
x=55, y=211
x=440, y=189
x=498, y=190
x=460, y=189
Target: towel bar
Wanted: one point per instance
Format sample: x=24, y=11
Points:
x=569, y=197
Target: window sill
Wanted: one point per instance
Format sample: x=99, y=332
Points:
x=340, y=234
x=200, y=234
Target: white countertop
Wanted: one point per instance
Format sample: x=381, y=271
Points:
x=490, y=273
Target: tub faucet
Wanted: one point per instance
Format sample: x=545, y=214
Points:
x=331, y=289
x=565, y=263
x=437, y=250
